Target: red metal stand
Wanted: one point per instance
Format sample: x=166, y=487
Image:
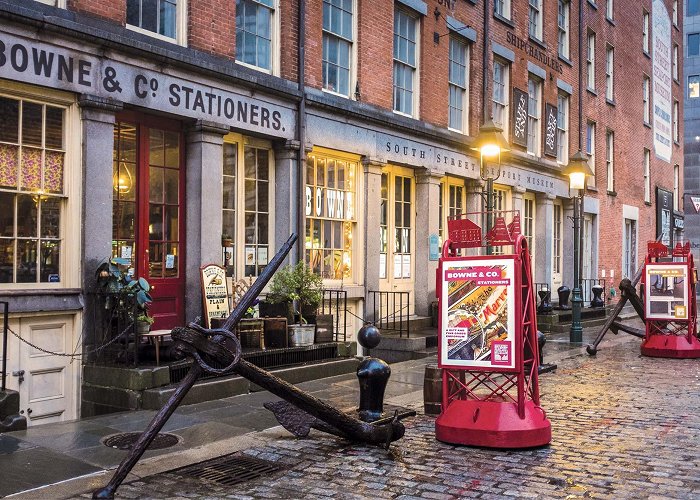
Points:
x=670, y=303
x=484, y=404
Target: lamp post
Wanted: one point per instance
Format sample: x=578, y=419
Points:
x=577, y=170
x=490, y=143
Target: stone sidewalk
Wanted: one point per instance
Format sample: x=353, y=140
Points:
x=623, y=426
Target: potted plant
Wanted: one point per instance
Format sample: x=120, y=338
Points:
x=144, y=322
x=127, y=294
x=298, y=285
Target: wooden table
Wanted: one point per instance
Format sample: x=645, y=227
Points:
x=156, y=336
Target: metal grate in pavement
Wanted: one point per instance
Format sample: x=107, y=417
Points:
x=228, y=470
x=125, y=440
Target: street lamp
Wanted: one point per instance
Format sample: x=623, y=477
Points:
x=577, y=170
x=490, y=143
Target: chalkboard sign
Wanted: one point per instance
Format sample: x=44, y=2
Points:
x=550, y=130
x=214, y=293
x=520, y=101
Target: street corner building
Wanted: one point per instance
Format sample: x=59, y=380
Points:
x=173, y=134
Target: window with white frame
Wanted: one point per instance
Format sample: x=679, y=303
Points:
x=163, y=18
x=557, y=243
x=675, y=121
x=590, y=61
x=675, y=62
x=609, y=10
x=499, y=205
x=32, y=194
x=535, y=19
x=502, y=8
x=646, y=83
x=501, y=94
x=609, y=73
x=337, y=45
x=529, y=223
x=675, y=12
x=405, y=61
x=610, y=159
x=590, y=150
x=693, y=86
x=645, y=31
x=647, y=176
x=676, y=187
x=534, y=105
x=563, y=27
x=458, y=78
x=563, y=128
x=331, y=220
x=254, y=33
x=246, y=205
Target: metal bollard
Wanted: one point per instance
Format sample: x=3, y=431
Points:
x=373, y=375
x=564, y=292
x=543, y=367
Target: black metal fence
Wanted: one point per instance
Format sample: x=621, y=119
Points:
x=108, y=324
x=390, y=311
x=335, y=302
x=5, y=318
x=587, y=289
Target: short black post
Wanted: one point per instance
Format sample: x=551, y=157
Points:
x=373, y=375
x=564, y=292
x=597, y=300
x=543, y=367
x=545, y=306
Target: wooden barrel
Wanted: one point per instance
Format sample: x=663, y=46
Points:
x=432, y=389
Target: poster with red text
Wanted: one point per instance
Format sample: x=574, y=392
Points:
x=478, y=314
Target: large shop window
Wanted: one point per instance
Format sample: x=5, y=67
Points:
x=330, y=215
x=32, y=163
x=246, y=209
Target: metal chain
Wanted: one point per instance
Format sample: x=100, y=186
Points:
x=73, y=356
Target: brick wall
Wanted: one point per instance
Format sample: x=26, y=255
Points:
x=211, y=26
x=114, y=10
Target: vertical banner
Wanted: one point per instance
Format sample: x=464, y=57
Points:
x=550, y=130
x=666, y=291
x=664, y=214
x=519, y=132
x=661, y=81
x=477, y=311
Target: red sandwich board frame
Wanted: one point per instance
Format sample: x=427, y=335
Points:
x=670, y=306
x=487, y=347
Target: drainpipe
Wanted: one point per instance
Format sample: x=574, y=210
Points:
x=485, y=65
x=301, y=134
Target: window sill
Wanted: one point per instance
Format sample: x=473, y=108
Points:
x=612, y=193
x=401, y=113
x=566, y=60
x=647, y=203
x=611, y=102
x=592, y=91
x=504, y=20
x=612, y=22
x=647, y=124
x=592, y=188
x=676, y=26
x=537, y=41
x=252, y=66
x=593, y=4
x=676, y=81
x=646, y=53
x=333, y=92
x=677, y=143
x=153, y=34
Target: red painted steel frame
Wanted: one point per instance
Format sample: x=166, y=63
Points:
x=508, y=414
x=673, y=338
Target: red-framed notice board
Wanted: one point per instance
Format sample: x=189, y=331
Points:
x=477, y=314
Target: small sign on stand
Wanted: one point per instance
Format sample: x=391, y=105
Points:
x=214, y=293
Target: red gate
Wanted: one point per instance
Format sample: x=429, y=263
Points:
x=670, y=306
x=488, y=339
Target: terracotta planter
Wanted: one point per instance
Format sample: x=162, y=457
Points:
x=301, y=335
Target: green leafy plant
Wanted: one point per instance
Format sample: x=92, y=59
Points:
x=298, y=284
x=123, y=291
x=145, y=318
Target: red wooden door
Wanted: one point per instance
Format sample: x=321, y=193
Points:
x=158, y=222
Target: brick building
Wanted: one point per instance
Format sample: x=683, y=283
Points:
x=150, y=130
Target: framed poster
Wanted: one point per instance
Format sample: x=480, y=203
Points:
x=477, y=312
x=214, y=293
x=666, y=291
x=520, y=101
x=664, y=211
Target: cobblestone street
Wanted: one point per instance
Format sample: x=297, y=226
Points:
x=623, y=426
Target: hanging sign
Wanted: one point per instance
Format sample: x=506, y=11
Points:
x=434, y=244
x=478, y=314
x=214, y=293
x=520, y=101
x=550, y=131
x=664, y=211
x=666, y=291
x=661, y=80
x=696, y=203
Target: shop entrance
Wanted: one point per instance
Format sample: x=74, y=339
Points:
x=397, y=222
x=148, y=209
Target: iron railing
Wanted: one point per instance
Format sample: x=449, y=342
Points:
x=5, y=317
x=334, y=303
x=107, y=321
x=390, y=311
x=587, y=285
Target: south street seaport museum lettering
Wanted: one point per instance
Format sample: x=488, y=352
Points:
x=64, y=69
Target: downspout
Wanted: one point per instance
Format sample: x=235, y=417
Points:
x=580, y=74
x=485, y=65
x=301, y=133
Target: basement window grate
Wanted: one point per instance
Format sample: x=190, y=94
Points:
x=228, y=470
x=126, y=440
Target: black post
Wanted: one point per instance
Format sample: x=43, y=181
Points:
x=576, y=332
x=6, y=306
x=489, y=207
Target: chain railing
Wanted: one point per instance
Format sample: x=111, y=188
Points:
x=390, y=311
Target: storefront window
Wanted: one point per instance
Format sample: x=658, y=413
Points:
x=384, y=226
x=330, y=215
x=32, y=160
